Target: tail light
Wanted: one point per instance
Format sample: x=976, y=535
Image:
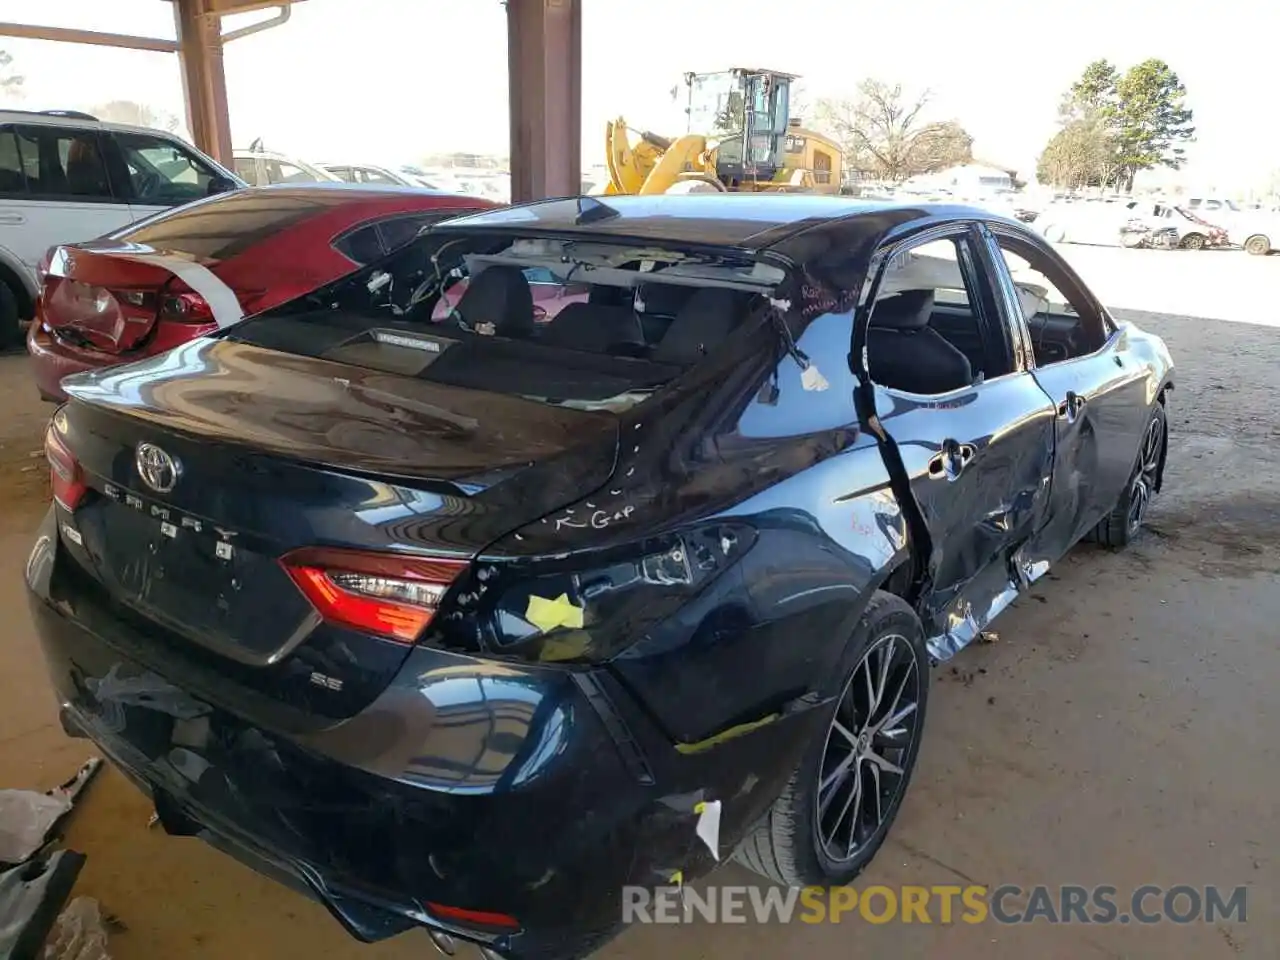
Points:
x=181, y=304
x=383, y=594
x=70, y=302
x=65, y=475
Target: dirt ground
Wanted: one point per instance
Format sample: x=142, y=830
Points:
x=1121, y=731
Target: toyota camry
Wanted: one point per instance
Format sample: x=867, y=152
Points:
x=450, y=618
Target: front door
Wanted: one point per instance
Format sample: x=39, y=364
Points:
x=1098, y=389
x=162, y=173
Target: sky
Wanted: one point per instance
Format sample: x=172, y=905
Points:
x=391, y=80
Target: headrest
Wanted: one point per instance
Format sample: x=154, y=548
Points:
x=500, y=296
x=702, y=324
x=909, y=310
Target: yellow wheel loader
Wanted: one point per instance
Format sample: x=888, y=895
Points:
x=741, y=137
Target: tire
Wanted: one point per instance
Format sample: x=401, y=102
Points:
x=1258, y=245
x=1054, y=233
x=789, y=844
x=1119, y=528
x=10, y=332
x=1193, y=241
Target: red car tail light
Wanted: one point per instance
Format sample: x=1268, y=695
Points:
x=184, y=306
x=65, y=475
x=384, y=594
x=70, y=302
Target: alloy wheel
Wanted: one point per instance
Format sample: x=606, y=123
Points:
x=1144, y=482
x=866, y=757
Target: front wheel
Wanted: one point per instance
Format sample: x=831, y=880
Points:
x=1118, y=528
x=1193, y=241
x=840, y=802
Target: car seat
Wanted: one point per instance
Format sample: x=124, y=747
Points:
x=905, y=353
x=498, y=295
x=703, y=323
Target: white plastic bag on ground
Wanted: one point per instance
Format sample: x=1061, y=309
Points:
x=25, y=819
x=78, y=933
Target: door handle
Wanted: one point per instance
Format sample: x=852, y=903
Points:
x=1070, y=408
x=949, y=462
x=12, y=219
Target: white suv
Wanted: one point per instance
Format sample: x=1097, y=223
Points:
x=66, y=177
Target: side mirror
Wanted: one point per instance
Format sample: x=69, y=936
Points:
x=221, y=185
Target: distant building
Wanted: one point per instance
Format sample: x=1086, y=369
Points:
x=967, y=178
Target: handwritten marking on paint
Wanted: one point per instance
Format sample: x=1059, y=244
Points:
x=598, y=520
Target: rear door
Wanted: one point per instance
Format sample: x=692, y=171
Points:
x=1097, y=387
x=54, y=188
x=977, y=456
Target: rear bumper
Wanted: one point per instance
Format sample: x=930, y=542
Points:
x=520, y=790
x=51, y=361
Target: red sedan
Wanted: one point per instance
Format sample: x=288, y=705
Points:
x=182, y=274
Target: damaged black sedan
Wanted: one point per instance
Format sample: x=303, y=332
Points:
x=454, y=613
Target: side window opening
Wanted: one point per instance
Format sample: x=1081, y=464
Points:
x=1062, y=322
x=64, y=163
x=927, y=333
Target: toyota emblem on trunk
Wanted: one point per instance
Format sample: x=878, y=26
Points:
x=158, y=470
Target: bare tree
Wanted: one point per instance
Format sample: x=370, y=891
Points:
x=138, y=114
x=882, y=133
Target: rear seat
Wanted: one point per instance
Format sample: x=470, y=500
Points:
x=703, y=323
x=596, y=328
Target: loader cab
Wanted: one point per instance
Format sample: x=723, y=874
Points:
x=746, y=112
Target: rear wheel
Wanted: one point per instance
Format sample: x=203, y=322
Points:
x=840, y=802
x=1258, y=245
x=10, y=333
x=1122, y=524
x=1193, y=241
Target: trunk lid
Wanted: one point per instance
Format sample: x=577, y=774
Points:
x=269, y=453
x=109, y=294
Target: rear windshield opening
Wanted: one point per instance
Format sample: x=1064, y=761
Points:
x=566, y=322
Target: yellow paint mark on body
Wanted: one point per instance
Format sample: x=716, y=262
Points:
x=546, y=614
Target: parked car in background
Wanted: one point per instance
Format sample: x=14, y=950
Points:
x=1257, y=231
x=470, y=624
x=1170, y=226
x=167, y=280
x=1110, y=221
x=66, y=177
x=1086, y=220
x=261, y=168
x=368, y=173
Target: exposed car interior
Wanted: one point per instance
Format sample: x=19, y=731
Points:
x=611, y=323
x=925, y=336
x=1060, y=330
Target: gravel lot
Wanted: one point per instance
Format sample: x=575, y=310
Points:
x=1121, y=731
